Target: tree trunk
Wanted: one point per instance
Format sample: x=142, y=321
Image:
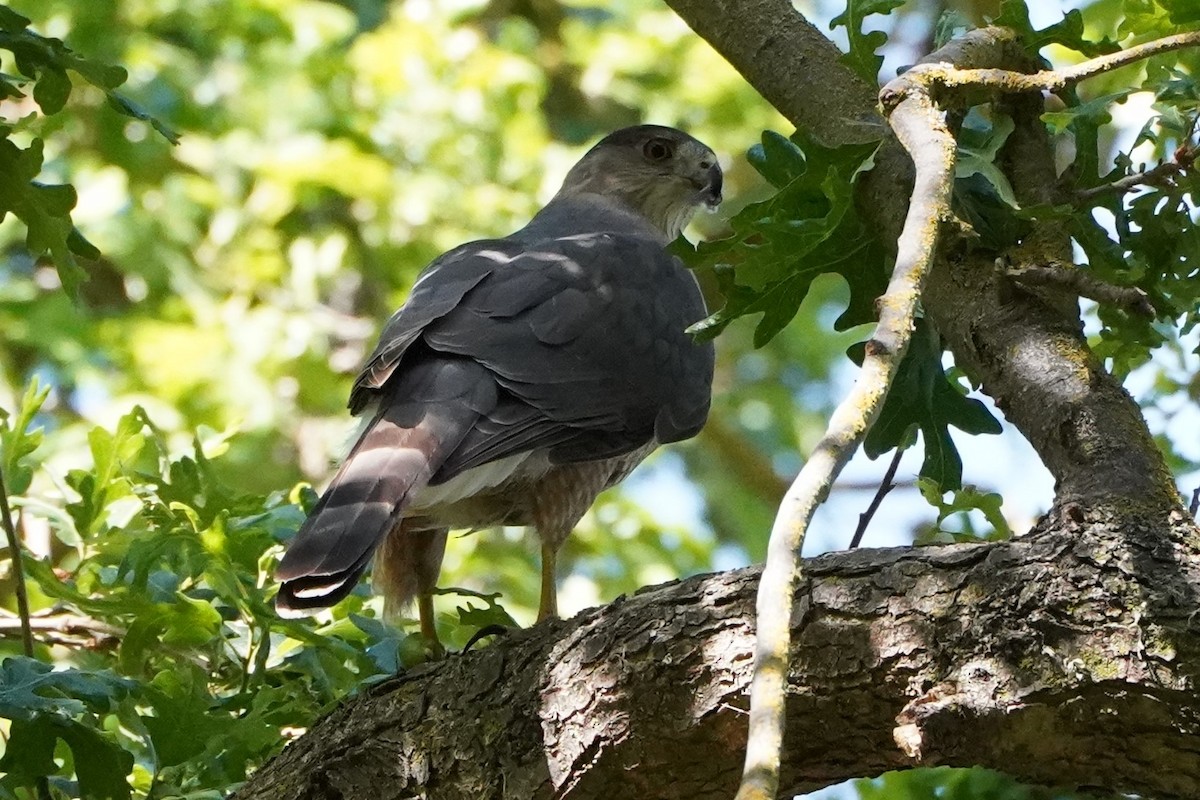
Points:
x=1067, y=658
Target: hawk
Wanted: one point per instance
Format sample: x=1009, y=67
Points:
x=524, y=376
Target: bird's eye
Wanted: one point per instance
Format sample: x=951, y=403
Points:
x=658, y=150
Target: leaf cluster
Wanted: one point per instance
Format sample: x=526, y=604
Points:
x=187, y=678
x=45, y=66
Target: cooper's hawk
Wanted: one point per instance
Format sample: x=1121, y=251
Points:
x=523, y=376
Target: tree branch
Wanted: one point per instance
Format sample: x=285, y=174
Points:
x=1155, y=176
x=1068, y=658
x=1084, y=284
x=795, y=66
x=1058, y=79
x=71, y=630
x=14, y=549
x=885, y=486
x=922, y=131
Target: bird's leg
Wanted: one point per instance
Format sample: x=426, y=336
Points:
x=428, y=564
x=406, y=567
x=548, y=606
x=428, y=628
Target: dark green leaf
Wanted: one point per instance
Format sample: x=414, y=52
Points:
x=184, y=719
x=978, y=146
x=1068, y=32
x=52, y=89
x=472, y=616
x=863, y=44
x=8, y=88
x=922, y=396
x=44, y=209
x=29, y=751
x=131, y=109
x=11, y=21
x=779, y=246
x=778, y=159
x=101, y=765
x=80, y=246
x=1182, y=12
x=29, y=687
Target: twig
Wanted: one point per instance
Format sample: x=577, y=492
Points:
x=885, y=487
x=1058, y=79
x=1155, y=176
x=14, y=548
x=921, y=129
x=60, y=628
x=1084, y=284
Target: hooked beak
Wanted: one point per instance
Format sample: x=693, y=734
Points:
x=710, y=186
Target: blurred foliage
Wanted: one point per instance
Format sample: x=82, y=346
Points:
x=168, y=395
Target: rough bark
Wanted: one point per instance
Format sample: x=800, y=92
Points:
x=1068, y=658
x=791, y=63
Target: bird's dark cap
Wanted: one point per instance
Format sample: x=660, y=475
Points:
x=637, y=134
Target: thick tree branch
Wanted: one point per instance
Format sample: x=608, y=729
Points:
x=793, y=65
x=1069, y=658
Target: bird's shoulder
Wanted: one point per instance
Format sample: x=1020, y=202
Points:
x=536, y=268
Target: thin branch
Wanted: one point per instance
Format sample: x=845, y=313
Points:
x=921, y=129
x=1058, y=79
x=72, y=630
x=1082, y=283
x=14, y=548
x=886, y=486
x=1155, y=176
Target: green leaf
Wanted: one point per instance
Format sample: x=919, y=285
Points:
x=11, y=21
x=29, y=751
x=778, y=159
x=52, y=89
x=1182, y=12
x=124, y=105
x=922, y=396
x=100, y=764
x=1068, y=32
x=80, y=246
x=471, y=616
x=191, y=621
x=8, y=88
x=779, y=246
x=18, y=441
x=963, y=500
x=1093, y=113
x=184, y=720
x=950, y=24
x=863, y=44
x=29, y=687
x=45, y=210
x=978, y=147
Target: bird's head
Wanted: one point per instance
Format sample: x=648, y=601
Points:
x=659, y=172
